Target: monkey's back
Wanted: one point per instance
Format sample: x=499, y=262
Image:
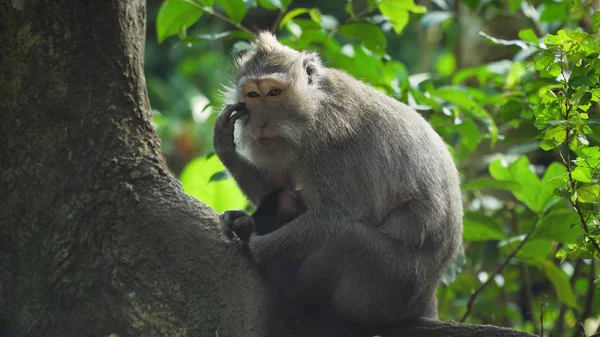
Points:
x=383, y=152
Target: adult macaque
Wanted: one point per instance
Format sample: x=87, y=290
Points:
x=383, y=205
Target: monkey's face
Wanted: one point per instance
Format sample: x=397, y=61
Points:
x=274, y=110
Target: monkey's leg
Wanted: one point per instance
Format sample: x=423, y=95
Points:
x=253, y=182
x=370, y=275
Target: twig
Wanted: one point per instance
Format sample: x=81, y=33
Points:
x=225, y=18
x=589, y=299
x=278, y=20
x=542, y=305
x=528, y=294
x=559, y=326
x=497, y=272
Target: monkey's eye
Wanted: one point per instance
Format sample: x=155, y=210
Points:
x=274, y=92
x=252, y=94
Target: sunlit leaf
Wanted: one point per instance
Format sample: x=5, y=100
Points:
x=292, y=14
x=235, y=9
x=528, y=35
x=486, y=183
x=175, y=16
x=558, y=225
x=479, y=227
x=588, y=193
x=220, y=194
x=560, y=280
x=369, y=34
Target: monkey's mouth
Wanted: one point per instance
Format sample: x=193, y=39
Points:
x=265, y=141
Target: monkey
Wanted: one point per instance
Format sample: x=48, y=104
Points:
x=384, y=210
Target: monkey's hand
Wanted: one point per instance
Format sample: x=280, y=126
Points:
x=238, y=223
x=224, y=126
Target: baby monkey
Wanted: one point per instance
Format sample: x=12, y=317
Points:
x=275, y=210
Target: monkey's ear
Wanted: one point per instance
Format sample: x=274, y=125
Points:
x=312, y=67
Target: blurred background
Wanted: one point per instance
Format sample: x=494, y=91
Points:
x=483, y=72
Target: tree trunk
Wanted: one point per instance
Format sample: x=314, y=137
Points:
x=96, y=236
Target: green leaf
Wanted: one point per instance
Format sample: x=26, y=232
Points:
x=528, y=35
x=397, y=12
x=520, y=172
x=398, y=16
x=315, y=15
x=479, y=227
x=554, y=11
x=174, y=16
x=554, y=177
x=581, y=250
x=221, y=195
x=583, y=174
x=557, y=225
x=537, y=248
x=486, y=183
x=208, y=3
x=596, y=20
x=588, y=193
x=235, y=9
x=459, y=97
x=349, y=8
x=292, y=14
x=274, y=4
x=514, y=5
x=560, y=280
x=446, y=64
x=369, y=34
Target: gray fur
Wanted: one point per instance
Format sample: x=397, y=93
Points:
x=357, y=156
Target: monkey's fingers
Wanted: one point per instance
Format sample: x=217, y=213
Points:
x=243, y=228
x=227, y=220
x=234, y=107
x=239, y=114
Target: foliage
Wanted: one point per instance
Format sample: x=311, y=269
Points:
x=523, y=130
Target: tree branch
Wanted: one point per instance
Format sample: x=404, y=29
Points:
x=497, y=272
x=423, y=327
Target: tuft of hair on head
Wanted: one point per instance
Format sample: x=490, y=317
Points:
x=266, y=42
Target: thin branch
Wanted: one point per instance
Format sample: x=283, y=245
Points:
x=589, y=299
x=528, y=294
x=574, y=202
x=542, y=305
x=278, y=20
x=424, y=327
x=559, y=326
x=225, y=18
x=497, y=272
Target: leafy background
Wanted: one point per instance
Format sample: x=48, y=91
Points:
x=512, y=86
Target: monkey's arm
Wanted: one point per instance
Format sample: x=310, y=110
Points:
x=254, y=183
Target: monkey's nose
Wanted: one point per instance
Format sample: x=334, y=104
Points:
x=261, y=123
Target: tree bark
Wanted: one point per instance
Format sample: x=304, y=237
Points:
x=96, y=236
